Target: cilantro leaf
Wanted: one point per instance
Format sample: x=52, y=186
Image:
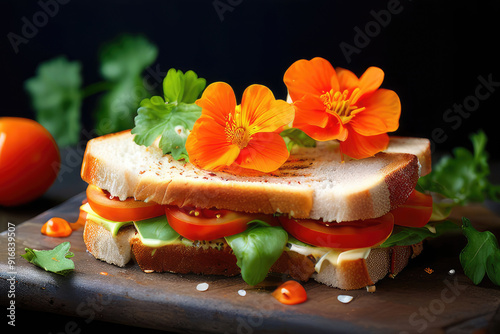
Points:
x=171, y=118
x=481, y=255
x=406, y=236
x=122, y=63
x=463, y=177
x=295, y=137
x=257, y=248
x=55, y=260
x=56, y=98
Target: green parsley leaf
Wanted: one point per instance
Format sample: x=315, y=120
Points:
x=172, y=118
x=55, y=260
x=295, y=137
x=122, y=63
x=257, y=248
x=406, y=236
x=56, y=98
x=463, y=178
x=481, y=255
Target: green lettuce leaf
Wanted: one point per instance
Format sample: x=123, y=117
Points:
x=257, y=248
x=55, y=260
x=156, y=232
x=122, y=62
x=481, y=255
x=171, y=118
x=406, y=236
x=56, y=97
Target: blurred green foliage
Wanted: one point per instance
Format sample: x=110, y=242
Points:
x=57, y=94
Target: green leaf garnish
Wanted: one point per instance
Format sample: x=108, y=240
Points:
x=56, y=98
x=481, y=255
x=297, y=138
x=257, y=248
x=55, y=260
x=122, y=62
x=406, y=236
x=463, y=178
x=171, y=118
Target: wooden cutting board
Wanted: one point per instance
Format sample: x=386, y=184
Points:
x=415, y=301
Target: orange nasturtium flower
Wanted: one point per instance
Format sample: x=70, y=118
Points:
x=336, y=104
x=242, y=137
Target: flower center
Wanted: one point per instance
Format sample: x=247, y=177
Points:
x=342, y=104
x=236, y=134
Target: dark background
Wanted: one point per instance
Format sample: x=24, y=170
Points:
x=432, y=52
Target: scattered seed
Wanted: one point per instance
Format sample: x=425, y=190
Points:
x=242, y=293
x=344, y=298
x=370, y=288
x=149, y=271
x=202, y=287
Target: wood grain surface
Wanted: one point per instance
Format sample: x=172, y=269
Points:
x=413, y=302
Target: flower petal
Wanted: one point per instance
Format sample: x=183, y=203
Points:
x=383, y=109
x=371, y=80
x=208, y=147
x=310, y=110
x=266, y=152
x=217, y=101
x=316, y=76
x=368, y=82
x=333, y=130
x=261, y=112
x=347, y=79
x=358, y=146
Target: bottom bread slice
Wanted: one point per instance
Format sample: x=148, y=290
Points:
x=217, y=258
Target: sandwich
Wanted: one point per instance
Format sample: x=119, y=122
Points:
x=206, y=186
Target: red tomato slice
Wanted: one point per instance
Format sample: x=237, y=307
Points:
x=121, y=211
x=290, y=293
x=207, y=224
x=345, y=235
x=415, y=212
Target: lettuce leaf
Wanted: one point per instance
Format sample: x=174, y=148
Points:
x=406, y=236
x=481, y=255
x=55, y=260
x=257, y=248
x=171, y=117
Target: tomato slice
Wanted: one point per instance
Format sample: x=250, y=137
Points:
x=121, y=211
x=209, y=224
x=290, y=293
x=344, y=235
x=415, y=212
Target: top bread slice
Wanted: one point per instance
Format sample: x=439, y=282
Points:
x=313, y=183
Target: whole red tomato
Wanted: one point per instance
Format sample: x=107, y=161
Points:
x=29, y=160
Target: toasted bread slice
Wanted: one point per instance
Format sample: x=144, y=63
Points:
x=313, y=183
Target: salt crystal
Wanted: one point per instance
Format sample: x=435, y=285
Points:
x=242, y=293
x=344, y=298
x=202, y=287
